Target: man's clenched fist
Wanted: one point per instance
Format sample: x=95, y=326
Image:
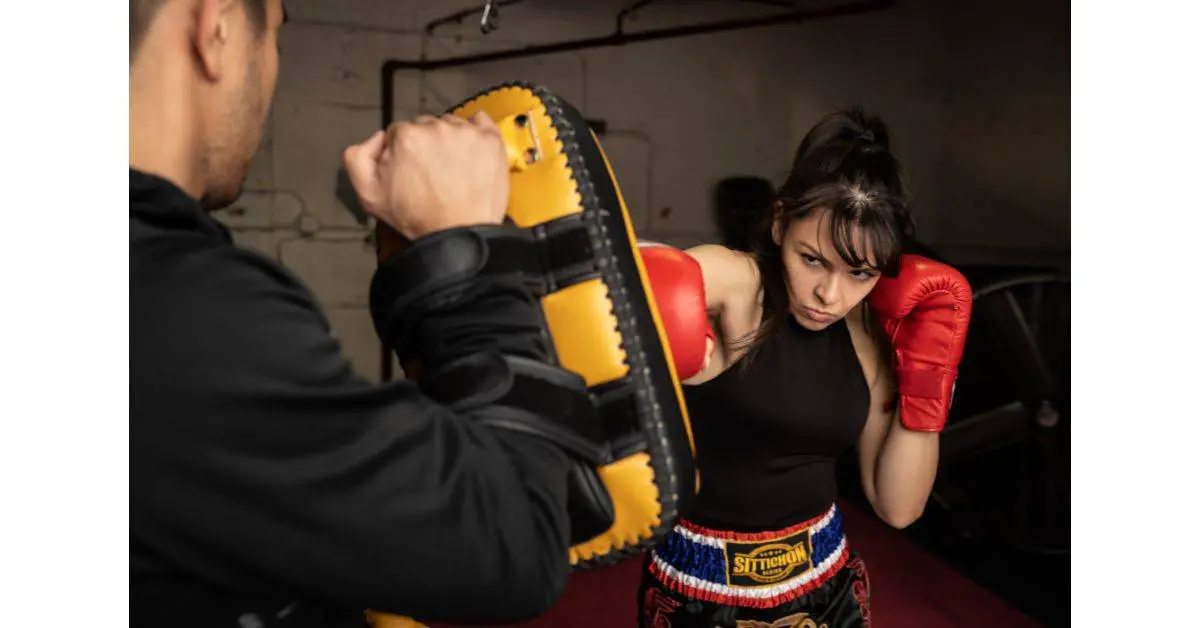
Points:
x=432, y=173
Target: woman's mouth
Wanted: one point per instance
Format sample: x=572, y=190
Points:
x=816, y=316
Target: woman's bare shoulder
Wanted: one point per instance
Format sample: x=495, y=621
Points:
x=725, y=264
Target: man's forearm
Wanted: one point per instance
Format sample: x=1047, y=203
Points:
x=439, y=300
x=502, y=318
x=314, y=482
x=478, y=336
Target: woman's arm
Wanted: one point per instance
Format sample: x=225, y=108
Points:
x=726, y=273
x=730, y=295
x=897, y=465
x=925, y=312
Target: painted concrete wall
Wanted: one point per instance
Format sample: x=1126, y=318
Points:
x=976, y=93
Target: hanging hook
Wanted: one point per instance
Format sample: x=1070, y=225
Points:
x=491, y=18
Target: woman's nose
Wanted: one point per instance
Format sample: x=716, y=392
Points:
x=828, y=290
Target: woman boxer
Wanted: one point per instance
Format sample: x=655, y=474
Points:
x=806, y=366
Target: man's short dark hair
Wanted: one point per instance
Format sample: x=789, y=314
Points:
x=142, y=12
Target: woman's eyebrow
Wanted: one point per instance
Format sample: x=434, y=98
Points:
x=810, y=247
x=817, y=253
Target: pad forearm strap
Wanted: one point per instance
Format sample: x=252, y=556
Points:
x=523, y=395
x=446, y=269
x=443, y=271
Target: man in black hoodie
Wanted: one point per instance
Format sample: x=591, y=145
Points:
x=270, y=485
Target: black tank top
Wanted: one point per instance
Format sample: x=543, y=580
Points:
x=767, y=436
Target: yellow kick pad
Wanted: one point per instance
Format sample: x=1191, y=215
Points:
x=605, y=327
x=544, y=187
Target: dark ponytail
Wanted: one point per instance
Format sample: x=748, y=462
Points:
x=846, y=127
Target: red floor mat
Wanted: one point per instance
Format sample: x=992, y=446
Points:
x=909, y=589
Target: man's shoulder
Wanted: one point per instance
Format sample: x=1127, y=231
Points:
x=189, y=266
x=230, y=309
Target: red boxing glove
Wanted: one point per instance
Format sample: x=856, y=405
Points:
x=678, y=287
x=925, y=312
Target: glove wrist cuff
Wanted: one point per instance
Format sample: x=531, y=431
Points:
x=925, y=395
x=926, y=383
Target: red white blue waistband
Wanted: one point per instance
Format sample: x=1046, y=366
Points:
x=758, y=569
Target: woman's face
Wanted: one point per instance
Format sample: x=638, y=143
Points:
x=822, y=287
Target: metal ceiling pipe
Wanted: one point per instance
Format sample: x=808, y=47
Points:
x=618, y=38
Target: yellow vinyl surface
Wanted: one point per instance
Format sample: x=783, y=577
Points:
x=585, y=332
x=541, y=191
x=636, y=506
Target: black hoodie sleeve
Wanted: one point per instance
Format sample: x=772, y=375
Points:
x=260, y=463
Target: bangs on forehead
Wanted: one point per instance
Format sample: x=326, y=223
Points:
x=862, y=233
x=856, y=246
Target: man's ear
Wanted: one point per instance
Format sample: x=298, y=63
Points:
x=210, y=39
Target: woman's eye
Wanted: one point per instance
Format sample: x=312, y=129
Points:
x=862, y=275
x=811, y=260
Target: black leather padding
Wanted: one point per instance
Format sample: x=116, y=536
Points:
x=524, y=395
